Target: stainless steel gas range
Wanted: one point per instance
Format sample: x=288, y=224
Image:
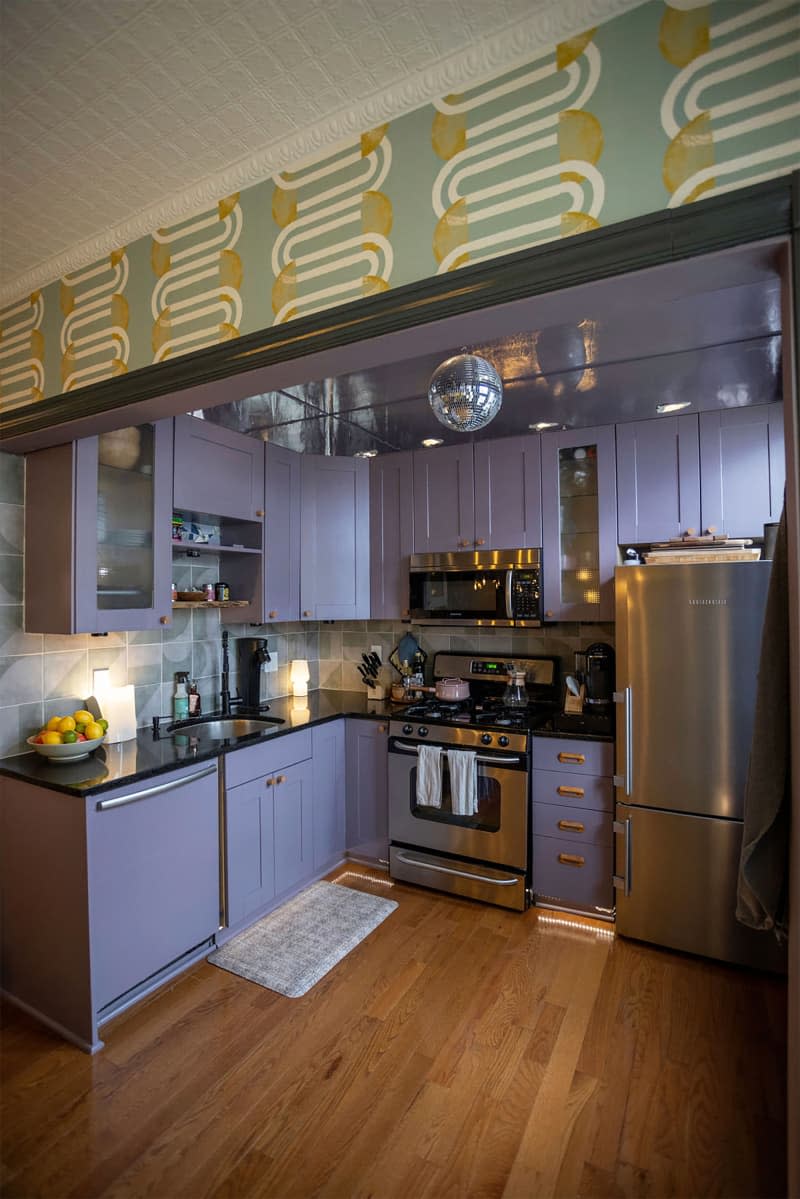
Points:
x=459, y=780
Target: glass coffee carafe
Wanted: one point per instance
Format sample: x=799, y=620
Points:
x=515, y=695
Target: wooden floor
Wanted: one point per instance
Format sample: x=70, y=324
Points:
x=459, y=1051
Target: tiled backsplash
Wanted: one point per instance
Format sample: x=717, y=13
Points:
x=44, y=674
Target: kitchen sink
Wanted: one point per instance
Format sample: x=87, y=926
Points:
x=226, y=728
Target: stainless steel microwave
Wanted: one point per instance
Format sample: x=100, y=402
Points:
x=487, y=587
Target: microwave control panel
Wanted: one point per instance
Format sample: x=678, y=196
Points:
x=526, y=594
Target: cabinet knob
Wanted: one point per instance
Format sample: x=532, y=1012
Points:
x=405, y=611
x=711, y=529
x=381, y=728
x=273, y=614
x=164, y=619
x=307, y=612
x=269, y=782
x=549, y=612
x=259, y=511
x=481, y=541
x=281, y=778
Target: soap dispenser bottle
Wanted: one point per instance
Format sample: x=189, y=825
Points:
x=180, y=700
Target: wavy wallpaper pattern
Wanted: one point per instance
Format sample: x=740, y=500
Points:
x=661, y=106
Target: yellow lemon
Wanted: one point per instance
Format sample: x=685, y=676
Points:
x=82, y=716
x=51, y=738
x=67, y=725
x=93, y=731
x=53, y=723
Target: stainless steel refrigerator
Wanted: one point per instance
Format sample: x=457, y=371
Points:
x=688, y=642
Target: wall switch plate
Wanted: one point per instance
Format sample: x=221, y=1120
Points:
x=376, y=649
x=272, y=665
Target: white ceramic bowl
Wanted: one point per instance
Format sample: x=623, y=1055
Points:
x=66, y=753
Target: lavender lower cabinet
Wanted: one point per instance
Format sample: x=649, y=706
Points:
x=329, y=794
x=293, y=816
x=573, y=812
x=367, y=806
x=249, y=819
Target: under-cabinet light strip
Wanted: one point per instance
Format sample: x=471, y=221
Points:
x=576, y=925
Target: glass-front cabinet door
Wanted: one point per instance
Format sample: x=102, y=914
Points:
x=579, y=541
x=123, y=506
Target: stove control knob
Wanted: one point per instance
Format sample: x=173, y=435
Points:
x=422, y=731
x=486, y=738
x=502, y=740
x=408, y=728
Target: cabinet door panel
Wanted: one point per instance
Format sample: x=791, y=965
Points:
x=281, y=534
x=391, y=535
x=658, y=478
x=444, y=505
x=329, y=793
x=217, y=470
x=250, y=848
x=743, y=469
x=294, y=845
x=334, y=563
x=508, y=493
x=367, y=790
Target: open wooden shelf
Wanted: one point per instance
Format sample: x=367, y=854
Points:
x=210, y=603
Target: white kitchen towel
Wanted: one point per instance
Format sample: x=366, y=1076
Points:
x=463, y=781
x=429, y=776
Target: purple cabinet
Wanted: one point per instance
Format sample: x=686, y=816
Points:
x=334, y=523
x=281, y=534
x=329, y=794
x=293, y=831
x=97, y=532
x=250, y=849
x=508, y=493
x=444, y=503
x=658, y=479
x=579, y=524
x=742, y=468
x=391, y=537
x=367, y=810
x=217, y=470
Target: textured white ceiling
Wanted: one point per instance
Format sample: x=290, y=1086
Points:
x=118, y=116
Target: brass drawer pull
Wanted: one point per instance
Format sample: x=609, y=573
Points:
x=579, y=758
x=577, y=792
x=574, y=825
x=572, y=859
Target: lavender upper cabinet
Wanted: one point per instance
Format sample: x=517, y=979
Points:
x=217, y=470
x=508, y=493
x=743, y=469
x=390, y=534
x=334, y=523
x=281, y=534
x=444, y=504
x=579, y=524
x=658, y=479
x=97, y=532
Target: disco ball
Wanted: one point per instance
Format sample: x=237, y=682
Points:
x=465, y=393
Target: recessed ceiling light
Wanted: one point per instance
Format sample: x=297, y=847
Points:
x=366, y=454
x=676, y=407
x=431, y=441
x=543, y=424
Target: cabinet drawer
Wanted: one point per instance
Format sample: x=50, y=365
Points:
x=573, y=790
x=256, y=760
x=574, y=875
x=582, y=757
x=591, y=827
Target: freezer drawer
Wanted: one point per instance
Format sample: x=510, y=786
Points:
x=682, y=887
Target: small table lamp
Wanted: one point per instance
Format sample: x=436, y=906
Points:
x=117, y=705
x=299, y=676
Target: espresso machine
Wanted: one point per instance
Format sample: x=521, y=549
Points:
x=594, y=667
x=252, y=658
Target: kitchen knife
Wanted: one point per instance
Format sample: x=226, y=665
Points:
x=376, y=662
x=368, y=665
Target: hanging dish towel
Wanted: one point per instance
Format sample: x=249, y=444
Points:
x=429, y=776
x=463, y=781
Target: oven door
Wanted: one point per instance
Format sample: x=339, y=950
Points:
x=497, y=833
x=474, y=596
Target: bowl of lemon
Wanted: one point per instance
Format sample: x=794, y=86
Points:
x=69, y=738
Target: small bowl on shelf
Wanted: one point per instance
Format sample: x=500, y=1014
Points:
x=65, y=752
x=191, y=597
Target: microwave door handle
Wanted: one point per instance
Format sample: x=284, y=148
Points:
x=509, y=593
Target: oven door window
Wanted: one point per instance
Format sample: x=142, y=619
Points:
x=475, y=594
x=487, y=818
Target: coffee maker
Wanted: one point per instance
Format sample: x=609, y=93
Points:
x=599, y=677
x=252, y=658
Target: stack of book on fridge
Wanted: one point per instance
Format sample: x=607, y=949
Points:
x=710, y=547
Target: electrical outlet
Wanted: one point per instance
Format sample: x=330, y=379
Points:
x=376, y=649
x=272, y=665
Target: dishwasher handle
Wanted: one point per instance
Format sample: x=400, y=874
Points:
x=119, y=801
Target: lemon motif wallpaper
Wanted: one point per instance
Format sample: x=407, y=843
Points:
x=663, y=105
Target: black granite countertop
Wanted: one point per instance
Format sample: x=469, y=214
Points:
x=145, y=757
x=578, y=728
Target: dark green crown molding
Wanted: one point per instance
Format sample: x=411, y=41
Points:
x=747, y=215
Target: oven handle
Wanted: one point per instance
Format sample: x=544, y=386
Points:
x=414, y=749
x=479, y=878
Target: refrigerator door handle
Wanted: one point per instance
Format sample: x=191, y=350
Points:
x=623, y=881
x=625, y=780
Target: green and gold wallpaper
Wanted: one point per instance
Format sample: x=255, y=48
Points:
x=661, y=106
